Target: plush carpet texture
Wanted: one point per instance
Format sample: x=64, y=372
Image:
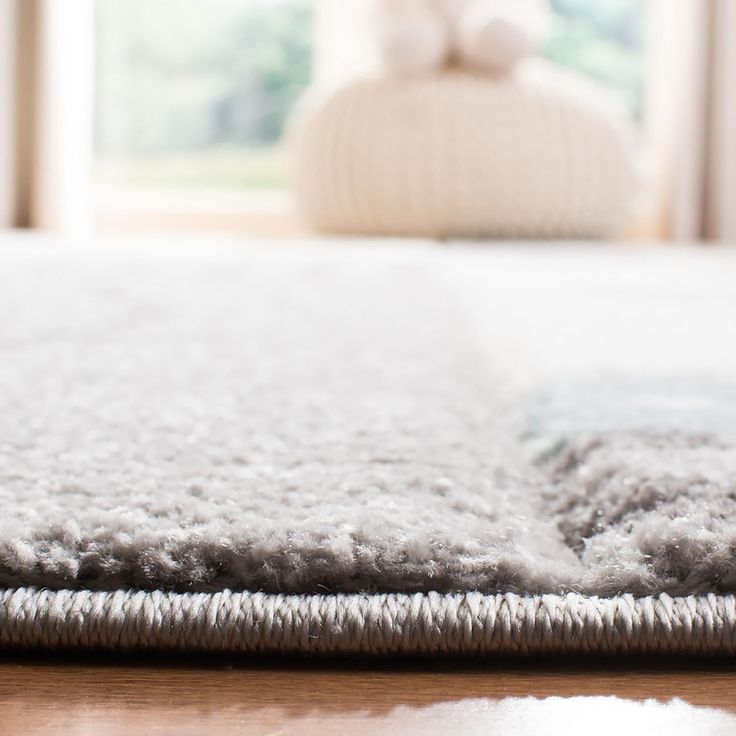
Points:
x=368, y=448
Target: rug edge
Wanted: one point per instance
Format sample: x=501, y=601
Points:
x=356, y=624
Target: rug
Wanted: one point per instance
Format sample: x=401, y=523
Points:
x=368, y=448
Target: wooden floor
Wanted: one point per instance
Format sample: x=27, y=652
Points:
x=167, y=696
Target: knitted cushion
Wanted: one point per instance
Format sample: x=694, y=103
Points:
x=457, y=155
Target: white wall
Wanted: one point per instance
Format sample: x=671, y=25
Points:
x=720, y=216
x=7, y=113
x=63, y=110
x=46, y=105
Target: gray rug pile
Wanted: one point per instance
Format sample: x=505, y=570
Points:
x=368, y=449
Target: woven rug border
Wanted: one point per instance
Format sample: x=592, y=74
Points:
x=380, y=624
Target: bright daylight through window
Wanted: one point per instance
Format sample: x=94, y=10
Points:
x=195, y=96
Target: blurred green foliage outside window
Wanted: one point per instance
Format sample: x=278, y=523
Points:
x=194, y=94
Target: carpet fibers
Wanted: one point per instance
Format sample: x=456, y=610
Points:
x=366, y=448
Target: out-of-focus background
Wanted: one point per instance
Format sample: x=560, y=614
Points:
x=172, y=115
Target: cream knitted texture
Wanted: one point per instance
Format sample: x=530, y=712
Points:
x=368, y=449
x=456, y=155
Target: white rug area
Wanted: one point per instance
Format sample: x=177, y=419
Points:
x=364, y=447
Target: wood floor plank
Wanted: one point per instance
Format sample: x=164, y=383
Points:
x=98, y=696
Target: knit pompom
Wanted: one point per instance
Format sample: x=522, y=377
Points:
x=413, y=44
x=484, y=36
x=492, y=43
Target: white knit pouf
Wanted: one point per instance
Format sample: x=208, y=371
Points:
x=457, y=155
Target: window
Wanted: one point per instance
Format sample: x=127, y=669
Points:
x=192, y=97
x=604, y=40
